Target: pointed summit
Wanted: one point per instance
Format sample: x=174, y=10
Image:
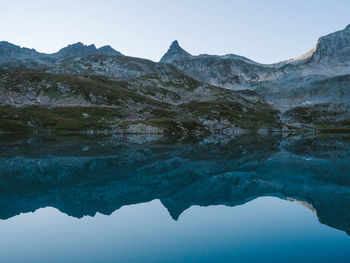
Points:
x=174, y=52
x=175, y=45
x=79, y=49
x=76, y=49
x=109, y=51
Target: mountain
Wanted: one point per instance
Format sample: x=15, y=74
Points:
x=330, y=57
x=310, y=92
x=229, y=71
x=79, y=49
x=175, y=52
x=314, y=88
x=115, y=66
x=12, y=56
x=108, y=51
x=333, y=49
x=8, y=50
x=286, y=83
x=163, y=103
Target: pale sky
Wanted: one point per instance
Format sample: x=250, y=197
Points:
x=265, y=31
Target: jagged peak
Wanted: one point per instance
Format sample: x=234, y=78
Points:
x=174, y=52
x=106, y=47
x=76, y=44
x=175, y=44
x=80, y=45
x=77, y=49
x=9, y=49
x=108, y=50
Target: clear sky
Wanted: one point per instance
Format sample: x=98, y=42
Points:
x=264, y=30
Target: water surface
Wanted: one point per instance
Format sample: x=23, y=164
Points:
x=153, y=199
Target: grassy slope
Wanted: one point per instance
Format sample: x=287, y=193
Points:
x=324, y=117
x=110, y=103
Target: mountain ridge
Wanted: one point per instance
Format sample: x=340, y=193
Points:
x=78, y=46
x=309, y=92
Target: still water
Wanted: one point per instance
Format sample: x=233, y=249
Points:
x=154, y=199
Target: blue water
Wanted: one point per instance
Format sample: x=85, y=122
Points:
x=150, y=199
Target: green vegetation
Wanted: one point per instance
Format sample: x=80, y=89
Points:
x=326, y=118
x=237, y=114
x=94, y=89
x=182, y=81
x=106, y=104
x=59, y=119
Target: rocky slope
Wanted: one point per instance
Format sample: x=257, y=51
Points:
x=309, y=92
x=330, y=58
x=119, y=67
x=319, y=77
x=156, y=103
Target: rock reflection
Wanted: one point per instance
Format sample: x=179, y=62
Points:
x=82, y=175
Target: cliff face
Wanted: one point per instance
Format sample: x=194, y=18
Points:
x=333, y=49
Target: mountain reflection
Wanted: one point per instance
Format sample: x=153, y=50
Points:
x=83, y=175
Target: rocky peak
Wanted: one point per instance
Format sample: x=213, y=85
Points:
x=175, y=45
x=333, y=48
x=8, y=50
x=77, y=49
x=174, y=52
x=109, y=51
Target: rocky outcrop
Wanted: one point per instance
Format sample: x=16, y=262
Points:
x=175, y=52
x=333, y=49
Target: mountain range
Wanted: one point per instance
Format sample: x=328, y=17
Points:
x=82, y=87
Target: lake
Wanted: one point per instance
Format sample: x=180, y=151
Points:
x=146, y=198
